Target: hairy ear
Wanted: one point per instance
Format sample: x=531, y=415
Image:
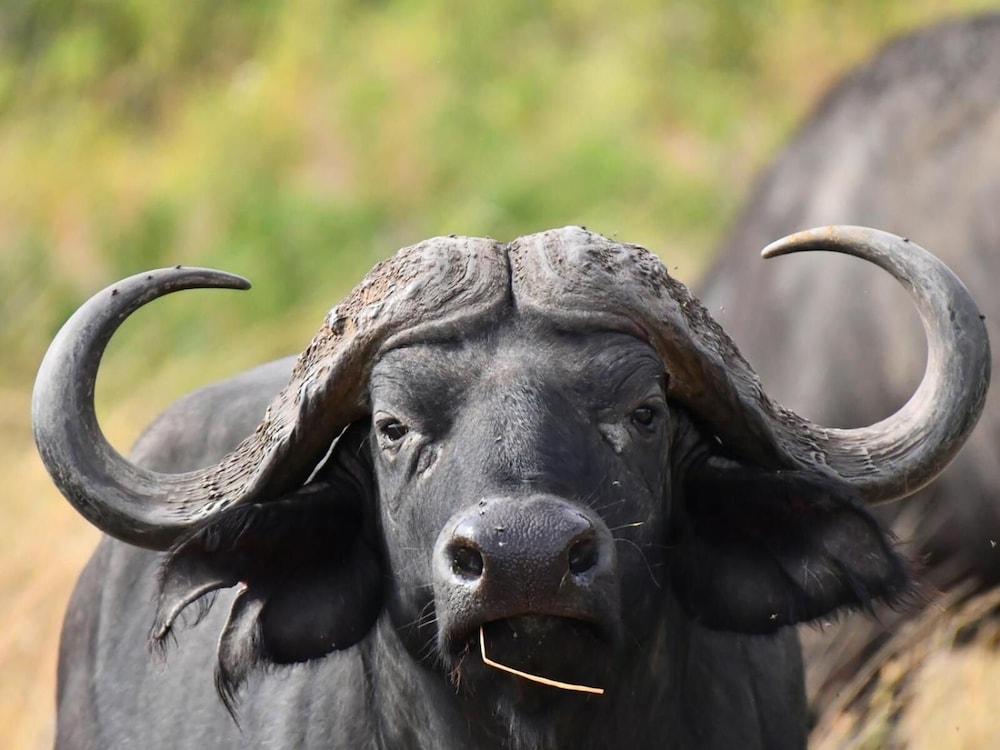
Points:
x=760, y=549
x=310, y=580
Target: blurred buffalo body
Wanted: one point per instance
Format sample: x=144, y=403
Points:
x=910, y=142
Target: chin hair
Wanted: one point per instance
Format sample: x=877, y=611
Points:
x=526, y=729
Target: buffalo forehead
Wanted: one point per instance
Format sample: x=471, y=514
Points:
x=572, y=269
x=513, y=351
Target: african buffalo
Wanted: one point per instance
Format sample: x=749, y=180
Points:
x=909, y=142
x=547, y=450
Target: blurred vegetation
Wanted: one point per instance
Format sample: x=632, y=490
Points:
x=298, y=142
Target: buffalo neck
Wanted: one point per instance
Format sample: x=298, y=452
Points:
x=681, y=686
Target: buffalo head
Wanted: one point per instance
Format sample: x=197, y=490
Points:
x=547, y=441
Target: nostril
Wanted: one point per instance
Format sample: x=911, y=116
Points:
x=466, y=561
x=582, y=555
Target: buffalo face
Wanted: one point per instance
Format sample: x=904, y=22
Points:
x=523, y=480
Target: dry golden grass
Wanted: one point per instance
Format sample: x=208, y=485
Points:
x=935, y=684
x=43, y=546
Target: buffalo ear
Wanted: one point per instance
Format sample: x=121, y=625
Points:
x=760, y=549
x=310, y=580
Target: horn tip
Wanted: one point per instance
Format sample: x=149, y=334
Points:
x=241, y=283
x=809, y=239
x=215, y=278
x=175, y=278
x=232, y=281
x=778, y=248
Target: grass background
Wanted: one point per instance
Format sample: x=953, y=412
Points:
x=297, y=143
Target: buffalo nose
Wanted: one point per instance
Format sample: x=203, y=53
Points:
x=504, y=557
x=536, y=541
x=467, y=560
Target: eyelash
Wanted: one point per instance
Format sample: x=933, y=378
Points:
x=646, y=416
x=643, y=416
x=391, y=432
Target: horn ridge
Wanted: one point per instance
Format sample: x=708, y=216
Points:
x=444, y=279
x=589, y=281
x=902, y=453
x=65, y=423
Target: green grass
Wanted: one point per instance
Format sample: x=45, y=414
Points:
x=297, y=143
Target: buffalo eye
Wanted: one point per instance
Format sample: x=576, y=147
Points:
x=392, y=430
x=644, y=416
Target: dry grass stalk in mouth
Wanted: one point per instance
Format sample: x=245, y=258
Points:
x=533, y=677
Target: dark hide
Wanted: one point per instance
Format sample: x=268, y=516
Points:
x=310, y=580
x=512, y=416
x=909, y=142
x=770, y=550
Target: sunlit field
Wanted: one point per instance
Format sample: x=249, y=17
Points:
x=299, y=143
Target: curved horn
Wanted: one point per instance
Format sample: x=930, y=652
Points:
x=422, y=290
x=112, y=493
x=901, y=454
x=585, y=280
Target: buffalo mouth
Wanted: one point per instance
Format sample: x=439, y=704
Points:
x=556, y=648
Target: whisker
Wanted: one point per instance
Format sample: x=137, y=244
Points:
x=421, y=615
x=612, y=504
x=429, y=650
x=429, y=619
x=642, y=554
x=627, y=526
